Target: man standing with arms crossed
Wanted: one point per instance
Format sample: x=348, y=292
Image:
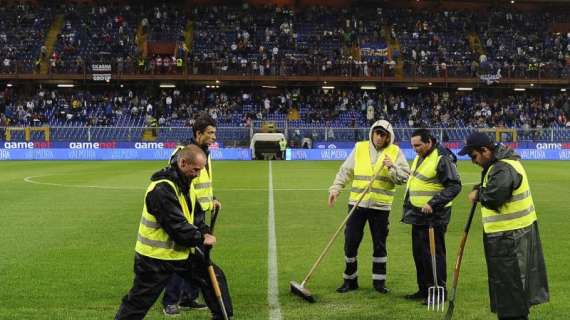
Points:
x=433, y=184
x=364, y=160
x=180, y=294
x=513, y=250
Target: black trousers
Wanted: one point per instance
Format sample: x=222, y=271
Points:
x=177, y=290
x=422, y=256
x=353, y=233
x=151, y=276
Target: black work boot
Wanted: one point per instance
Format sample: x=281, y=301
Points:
x=379, y=285
x=348, y=285
x=418, y=295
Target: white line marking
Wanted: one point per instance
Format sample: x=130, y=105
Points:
x=30, y=180
x=272, y=275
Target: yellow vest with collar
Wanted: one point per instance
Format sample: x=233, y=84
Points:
x=516, y=213
x=152, y=240
x=423, y=183
x=383, y=189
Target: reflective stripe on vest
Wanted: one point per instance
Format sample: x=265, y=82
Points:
x=382, y=189
x=517, y=213
x=203, y=187
x=152, y=240
x=423, y=183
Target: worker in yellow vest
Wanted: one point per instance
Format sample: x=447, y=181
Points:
x=171, y=234
x=433, y=184
x=358, y=169
x=283, y=148
x=513, y=250
x=180, y=294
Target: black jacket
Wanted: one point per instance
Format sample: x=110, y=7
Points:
x=162, y=202
x=447, y=175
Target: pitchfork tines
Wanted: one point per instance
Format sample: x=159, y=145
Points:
x=436, y=298
x=436, y=293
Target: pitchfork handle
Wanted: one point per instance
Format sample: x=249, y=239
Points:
x=431, y=241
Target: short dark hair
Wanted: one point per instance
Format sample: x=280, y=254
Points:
x=202, y=122
x=424, y=134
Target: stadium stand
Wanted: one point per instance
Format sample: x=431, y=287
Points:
x=273, y=40
x=275, y=47
x=303, y=109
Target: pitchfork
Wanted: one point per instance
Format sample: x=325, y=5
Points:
x=436, y=293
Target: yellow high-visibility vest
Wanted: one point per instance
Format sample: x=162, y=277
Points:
x=202, y=184
x=203, y=187
x=382, y=189
x=282, y=145
x=517, y=213
x=152, y=240
x=423, y=183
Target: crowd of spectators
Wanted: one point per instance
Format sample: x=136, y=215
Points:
x=271, y=40
x=165, y=23
x=22, y=33
x=93, y=34
x=279, y=41
x=338, y=108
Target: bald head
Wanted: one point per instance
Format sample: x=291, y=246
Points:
x=191, y=160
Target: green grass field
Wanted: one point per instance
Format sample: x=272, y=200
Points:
x=68, y=231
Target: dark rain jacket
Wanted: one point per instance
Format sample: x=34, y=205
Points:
x=162, y=202
x=447, y=175
x=515, y=262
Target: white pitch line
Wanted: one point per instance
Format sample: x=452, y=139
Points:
x=272, y=275
x=30, y=180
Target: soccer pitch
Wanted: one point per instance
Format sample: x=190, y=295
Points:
x=69, y=230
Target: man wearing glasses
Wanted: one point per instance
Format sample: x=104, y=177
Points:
x=515, y=263
x=366, y=158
